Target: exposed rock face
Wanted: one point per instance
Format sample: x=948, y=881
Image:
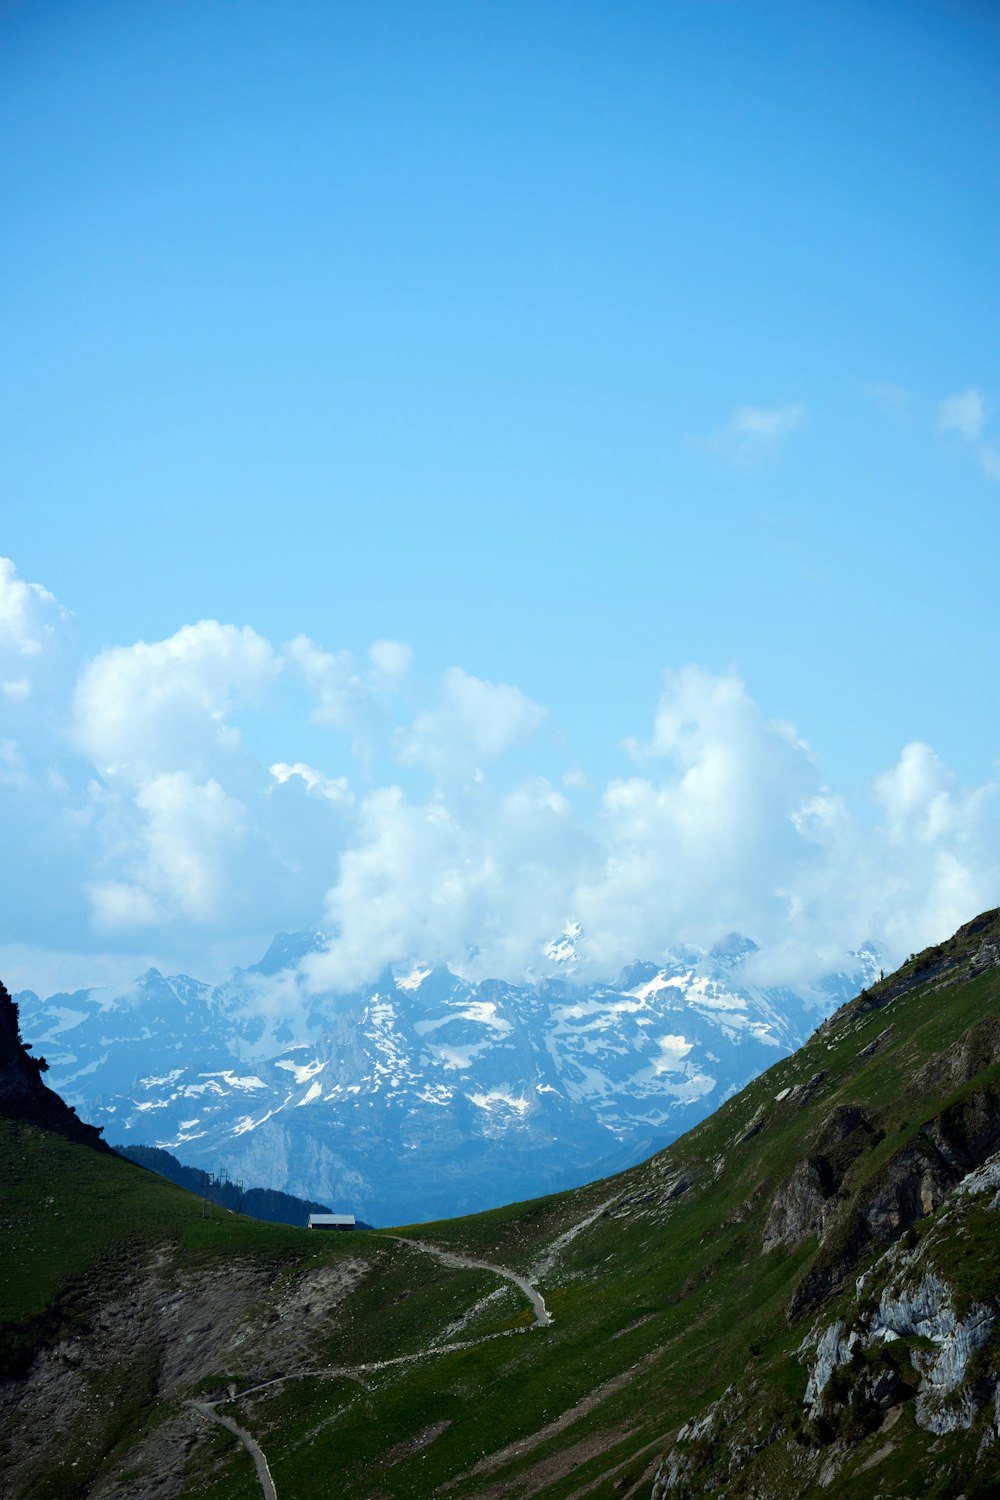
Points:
x=236, y=1317
x=986, y=957
x=23, y=1095
x=976, y=1049
x=798, y=1209
x=927, y=1312
x=834, y=1348
x=924, y=1310
x=914, y=1182
x=806, y=1204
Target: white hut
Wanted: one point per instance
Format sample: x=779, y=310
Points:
x=331, y=1221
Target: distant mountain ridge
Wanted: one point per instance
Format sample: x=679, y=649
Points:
x=498, y=1090
x=257, y=1203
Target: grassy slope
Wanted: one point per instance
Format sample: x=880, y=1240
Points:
x=661, y=1302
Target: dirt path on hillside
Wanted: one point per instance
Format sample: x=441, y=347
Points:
x=207, y=1409
x=451, y=1258
x=543, y=1319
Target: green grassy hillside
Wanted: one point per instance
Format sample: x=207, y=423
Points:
x=697, y=1300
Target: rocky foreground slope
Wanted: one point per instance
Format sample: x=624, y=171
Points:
x=799, y=1297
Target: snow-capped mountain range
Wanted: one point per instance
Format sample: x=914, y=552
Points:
x=423, y=1094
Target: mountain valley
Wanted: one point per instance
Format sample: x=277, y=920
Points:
x=498, y=1091
x=797, y=1297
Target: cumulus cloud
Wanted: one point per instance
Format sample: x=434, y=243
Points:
x=391, y=659
x=709, y=836
x=29, y=615
x=32, y=629
x=166, y=828
x=339, y=690
x=334, y=788
x=150, y=707
x=755, y=432
x=171, y=846
x=472, y=722
x=731, y=826
x=347, y=696
x=481, y=884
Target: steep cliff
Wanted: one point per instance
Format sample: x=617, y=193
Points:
x=23, y=1095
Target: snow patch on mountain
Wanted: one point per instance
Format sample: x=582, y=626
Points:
x=425, y=1094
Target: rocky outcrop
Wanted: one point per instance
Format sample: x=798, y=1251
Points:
x=834, y=1349
x=976, y=1049
x=914, y=1182
x=23, y=1095
x=903, y=1337
x=927, y=1312
x=987, y=956
x=944, y=1343
x=902, y=1291
x=806, y=1204
x=799, y=1208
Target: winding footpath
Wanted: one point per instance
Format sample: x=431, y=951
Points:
x=449, y=1258
x=543, y=1319
x=207, y=1409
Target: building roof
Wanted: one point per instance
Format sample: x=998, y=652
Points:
x=331, y=1221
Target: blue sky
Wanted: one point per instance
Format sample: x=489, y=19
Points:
x=570, y=346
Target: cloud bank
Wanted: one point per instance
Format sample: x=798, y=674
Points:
x=148, y=821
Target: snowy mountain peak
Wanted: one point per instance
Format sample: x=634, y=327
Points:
x=426, y=1093
x=732, y=949
x=287, y=950
x=413, y=978
x=562, y=950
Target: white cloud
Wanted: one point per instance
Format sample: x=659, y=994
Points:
x=707, y=844
x=168, y=826
x=176, y=853
x=150, y=707
x=754, y=432
x=29, y=615
x=347, y=697
x=966, y=415
x=333, y=678
x=731, y=828
x=35, y=642
x=472, y=722
x=334, y=788
x=391, y=659
x=480, y=884
x=195, y=834
x=963, y=414
x=118, y=905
